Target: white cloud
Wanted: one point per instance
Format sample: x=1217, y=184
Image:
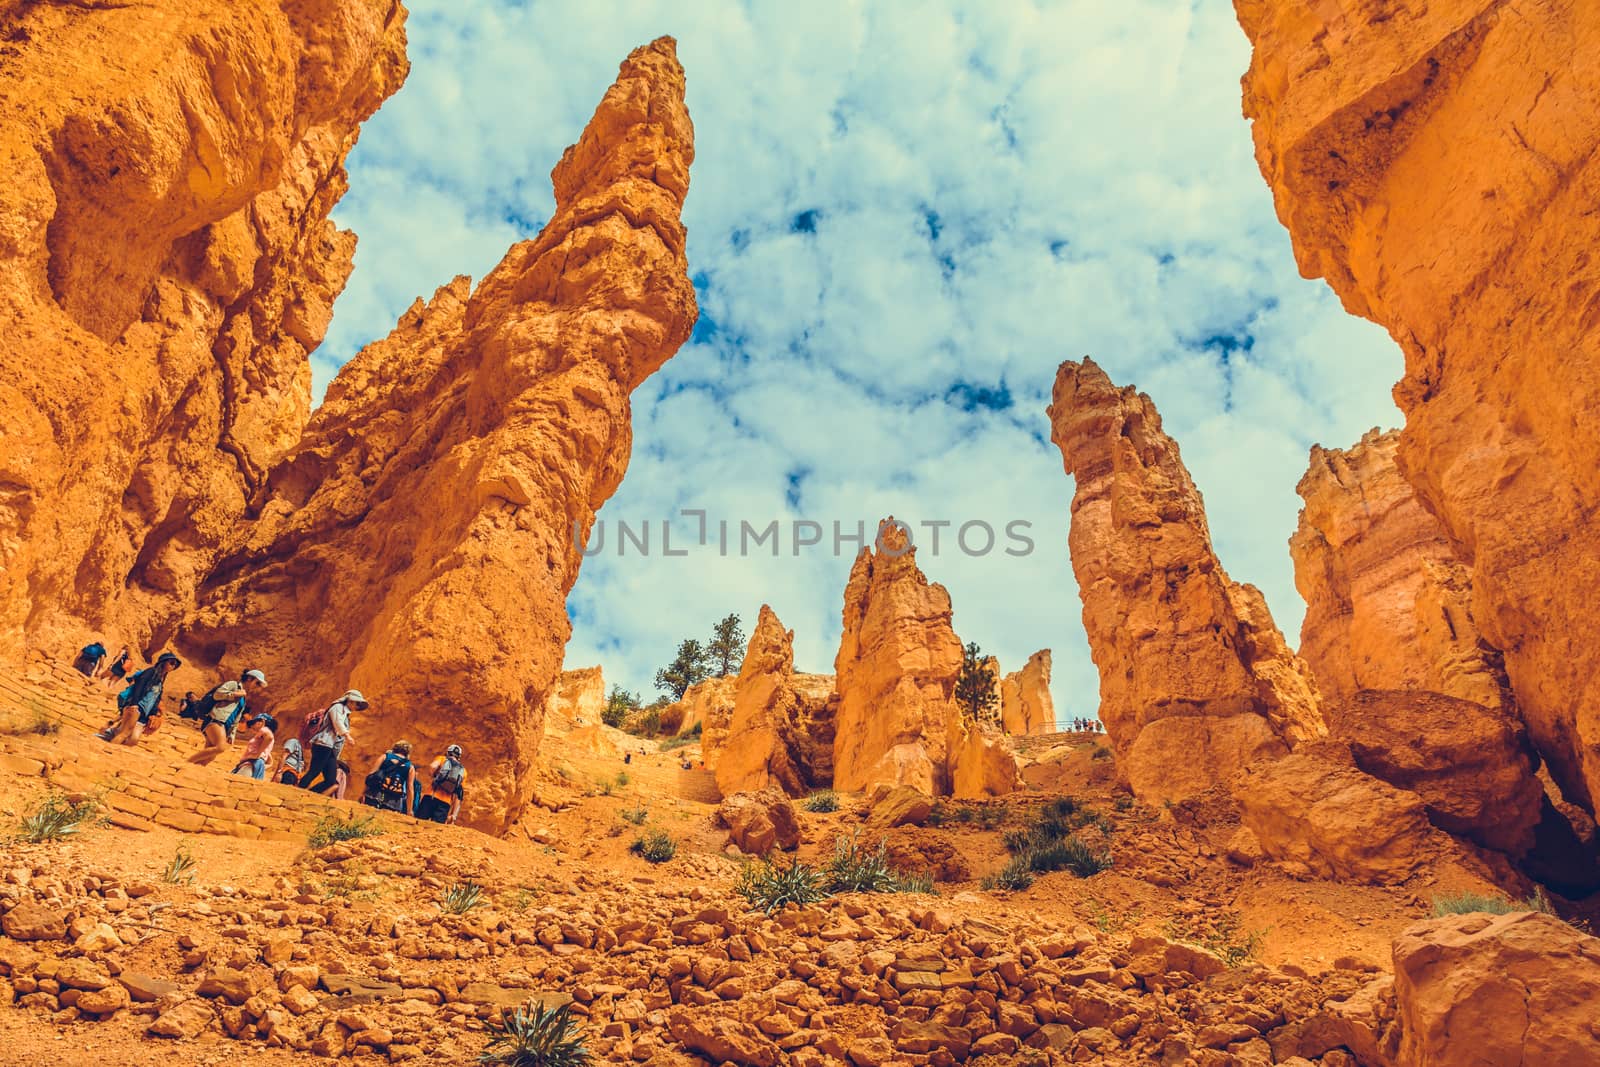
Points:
x=1092, y=190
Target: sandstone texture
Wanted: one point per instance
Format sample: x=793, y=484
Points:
x=1469, y=764
x=1026, y=706
x=1388, y=600
x=1436, y=164
x=709, y=705
x=576, y=698
x=1498, y=990
x=979, y=764
x=1175, y=640
x=419, y=541
x=760, y=820
x=768, y=742
x=166, y=264
x=1315, y=808
x=896, y=672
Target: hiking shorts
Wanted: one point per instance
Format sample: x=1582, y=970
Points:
x=256, y=767
x=433, y=809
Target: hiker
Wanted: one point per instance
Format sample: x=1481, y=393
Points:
x=341, y=781
x=189, y=708
x=447, y=780
x=225, y=700
x=118, y=668
x=89, y=659
x=292, y=764
x=390, y=783
x=141, y=699
x=325, y=732
x=251, y=684
x=257, y=746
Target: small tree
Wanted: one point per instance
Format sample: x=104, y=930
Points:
x=619, y=704
x=726, y=649
x=687, y=668
x=975, y=688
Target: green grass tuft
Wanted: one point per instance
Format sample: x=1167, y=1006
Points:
x=770, y=887
x=59, y=818
x=823, y=800
x=331, y=828
x=533, y=1036
x=656, y=846
x=461, y=898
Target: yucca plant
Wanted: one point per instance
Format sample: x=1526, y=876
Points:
x=331, y=828
x=58, y=818
x=921, y=882
x=770, y=887
x=1015, y=875
x=461, y=898
x=656, y=846
x=855, y=869
x=536, y=1036
x=823, y=800
x=181, y=870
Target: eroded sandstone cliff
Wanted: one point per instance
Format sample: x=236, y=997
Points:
x=166, y=264
x=1437, y=165
x=1026, y=706
x=1195, y=679
x=419, y=542
x=769, y=742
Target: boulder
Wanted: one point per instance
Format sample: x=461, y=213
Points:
x=902, y=805
x=1469, y=763
x=979, y=763
x=186, y=1019
x=106, y=1001
x=1176, y=641
x=720, y=1039
x=31, y=921
x=1316, y=808
x=1178, y=759
x=761, y=821
x=1514, y=990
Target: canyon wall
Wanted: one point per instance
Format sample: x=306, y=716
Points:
x=418, y=542
x=166, y=264
x=777, y=732
x=1388, y=601
x=1196, y=682
x=1025, y=703
x=1436, y=165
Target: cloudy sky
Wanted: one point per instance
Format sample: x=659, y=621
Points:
x=902, y=217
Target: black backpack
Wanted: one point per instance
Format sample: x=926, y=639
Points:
x=448, y=778
x=393, y=775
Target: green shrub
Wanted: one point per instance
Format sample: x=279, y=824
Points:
x=855, y=869
x=181, y=870
x=681, y=741
x=656, y=846
x=916, y=883
x=461, y=898
x=534, y=1036
x=769, y=886
x=331, y=828
x=59, y=818
x=1069, y=854
x=1101, y=752
x=1015, y=875
x=1123, y=802
x=1461, y=903
x=638, y=816
x=823, y=800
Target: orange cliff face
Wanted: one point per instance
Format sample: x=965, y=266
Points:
x=1195, y=679
x=1437, y=165
x=418, y=543
x=1388, y=601
x=166, y=264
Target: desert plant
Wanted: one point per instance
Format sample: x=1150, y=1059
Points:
x=182, y=868
x=823, y=800
x=59, y=818
x=645, y=722
x=331, y=828
x=622, y=779
x=619, y=705
x=921, y=882
x=1069, y=854
x=656, y=846
x=680, y=741
x=638, y=816
x=856, y=869
x=1015, y=875
x=536, y=1036
x=1461, y=903
x=1223, y=936
x=689, y=666
x=461, y=898
x=1100, y=752
x=1123, y=802
x=770, y=887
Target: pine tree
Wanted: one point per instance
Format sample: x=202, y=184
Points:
x=688, y=667
x=619, y=705
x=727, y=647
x=975, y=688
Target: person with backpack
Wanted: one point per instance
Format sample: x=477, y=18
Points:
x=258, y=747
x=324, y=734
x=292, y=764
x=118, y=668
x=447, y=780
x=390, y=783
x=225, y=700
x=89, y=659
x=142, y=699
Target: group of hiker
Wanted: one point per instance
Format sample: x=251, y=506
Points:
x=1085, y=726
x=310, y=760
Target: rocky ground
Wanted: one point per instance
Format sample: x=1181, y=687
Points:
x=1179, y=953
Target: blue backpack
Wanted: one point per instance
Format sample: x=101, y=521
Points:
x=94, y=651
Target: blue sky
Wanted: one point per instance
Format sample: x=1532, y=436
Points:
x=902, y=217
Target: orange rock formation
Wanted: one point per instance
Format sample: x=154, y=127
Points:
x=576, y=697
x=1025, y=703
x=1387, y=598
x=166, y=262
x=1436, y=164
x=896, y=672
x=1195, y=679
x=419, y=541
x=764, y=746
